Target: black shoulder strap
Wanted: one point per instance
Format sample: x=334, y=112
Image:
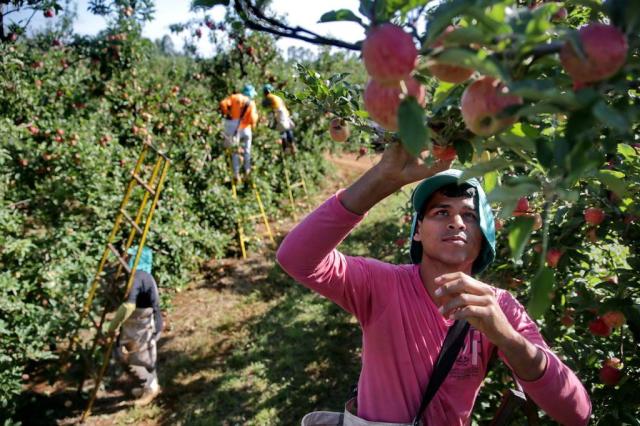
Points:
x=448, y=354
x=243, y=111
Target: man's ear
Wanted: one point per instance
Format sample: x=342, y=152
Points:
x=416, y=235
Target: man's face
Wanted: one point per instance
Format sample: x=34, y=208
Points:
x=450, y=231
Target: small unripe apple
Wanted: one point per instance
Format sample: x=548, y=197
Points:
x=594, y=215
x=339, y=130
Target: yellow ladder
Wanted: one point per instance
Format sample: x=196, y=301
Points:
x=239, y=218
x=152, y=188
x=290, y=186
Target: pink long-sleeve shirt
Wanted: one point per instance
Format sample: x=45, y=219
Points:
x=403, y=331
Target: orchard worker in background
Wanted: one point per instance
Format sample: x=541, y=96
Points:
x=280, y=117
x=240, y=117
x=140, y=322
x=405, y=311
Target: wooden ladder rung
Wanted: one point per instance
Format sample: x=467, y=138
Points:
x=131, y=221
x=157, y=150
x=254, y=217
x=297, y=184
x=123, y=262
x=143, y=184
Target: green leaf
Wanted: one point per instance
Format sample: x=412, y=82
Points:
x=402, y=6
x=624, y=14
x=544, y=90
x=611, y=117
x=483, y=168
x=544, y=152
x=479, y=61
x=340, y=15
x=614, y=180
x=519, y=234
x=541, y=292
x=466, y=36
x=442, y=17
x=511, y=193
x=490, y=181
x=208, y=4
x=442, y=93
x=412, y=128
x=464, y=149
x=627, y=151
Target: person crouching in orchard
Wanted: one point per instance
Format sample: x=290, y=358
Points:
x=405, y=311
x=280, y=117
x=140, y=322
x=240, y=117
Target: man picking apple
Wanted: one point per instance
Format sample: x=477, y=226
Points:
x=405, y=311
x=240, y=116
x=280, y=117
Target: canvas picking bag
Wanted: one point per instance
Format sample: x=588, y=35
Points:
x=448, y=353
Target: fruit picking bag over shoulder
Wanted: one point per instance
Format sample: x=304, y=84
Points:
x=346, y=418
x=448, y=353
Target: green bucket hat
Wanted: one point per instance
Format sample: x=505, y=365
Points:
x=428, y=187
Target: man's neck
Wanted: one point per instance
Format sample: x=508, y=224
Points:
x=431, y=268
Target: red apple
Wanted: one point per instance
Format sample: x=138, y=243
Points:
x=49, y=13
x=522, y=207
x=382, y=101
x=610, y=373
x=614, y=319
x=553, y=257
x=389, y=53
x=594, y=215
x=605, y=48
x=481, y=104
x=560, y=15
x=598, y=327
x=446, y=72
x=444, y=153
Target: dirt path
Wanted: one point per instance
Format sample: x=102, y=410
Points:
x=202, y=326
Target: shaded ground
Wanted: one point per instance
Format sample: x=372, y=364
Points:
x=244, y=345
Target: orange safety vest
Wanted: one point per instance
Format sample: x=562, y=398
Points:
x=238, y=106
